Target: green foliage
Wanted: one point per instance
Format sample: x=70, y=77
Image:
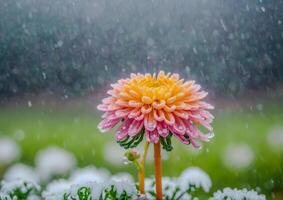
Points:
x=84, y=193
x=132, y=142
x=112, y=194
x=166, y=142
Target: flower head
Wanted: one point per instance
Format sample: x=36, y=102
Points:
x=237, y=194
x=158, y=106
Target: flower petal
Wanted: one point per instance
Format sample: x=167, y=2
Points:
x=135, y=127
x=149, y=122
x=152, y=136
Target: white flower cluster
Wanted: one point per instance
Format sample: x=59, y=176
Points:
x=23, y=172
x=21, y=182
x=236, y=194
x=193, y=178
x=61, y=190
x=90, y=183
x=19, y=189
x=181, y=188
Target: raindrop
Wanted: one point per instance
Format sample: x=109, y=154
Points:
x=259, y=107
x=29, y=104
x=247, y=125
x=59, y=44
x=223, y=25
x=187, y=68
x=44, y=75
x=151, y=126
x=262, y=9
x=125, y=161
x=199, y=147
x=210, y=135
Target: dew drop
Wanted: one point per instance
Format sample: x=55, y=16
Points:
x=125, y=161
x=210, y=135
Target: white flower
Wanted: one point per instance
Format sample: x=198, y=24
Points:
x=121, y=186
x=238, y=156
x=123, y=176
x=170, y=187
x=5, y=196
x=94, y=188
x=149, y=185
x=21, y=171
x=56, y=190
x=97, y=190
x=34, y=197
x=24, y=187
x=54, y=161
x=9, y=151
x=196, y=177
x=113, y=154
x=89, y=174
x=235, y=194
x=275, y=137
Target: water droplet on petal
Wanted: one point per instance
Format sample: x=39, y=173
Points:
x=199, y=147
x=210, y=135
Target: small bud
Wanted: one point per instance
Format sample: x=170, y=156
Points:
x=132, y=155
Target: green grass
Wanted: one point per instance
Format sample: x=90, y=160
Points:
x=76, y=131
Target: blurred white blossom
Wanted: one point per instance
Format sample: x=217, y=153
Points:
x=123, y=176
x=89, y=174
x=56, y=189
x=237, y=194
x=18, y=188
x=238, y=156
x=195, y=177
x=54, y=161
x=9, y=151
x=275, y=137
x=113, y=153
x=21, y=171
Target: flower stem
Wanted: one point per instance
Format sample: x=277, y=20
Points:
x=158, y=171
x=142, y=170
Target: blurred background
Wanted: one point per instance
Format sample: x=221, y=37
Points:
x=58, y=58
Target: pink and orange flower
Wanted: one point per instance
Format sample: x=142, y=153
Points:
x=162, y=105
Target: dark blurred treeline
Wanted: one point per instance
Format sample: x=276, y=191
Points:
x=77, y=46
